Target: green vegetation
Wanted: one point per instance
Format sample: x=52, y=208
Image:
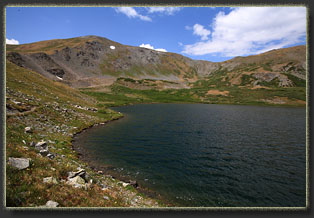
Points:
x=210, y=91
x=55, y=119
x=273, y=83
x=246, y=79
x=267, y=66
x=296, y=81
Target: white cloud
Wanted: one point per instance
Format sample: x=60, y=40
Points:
x=165, y=10
x=161, y=49
x=252, y=30
x=132, y=13
x=201, y=31
x=146, y=46
x=152, y=47
x=12, y=42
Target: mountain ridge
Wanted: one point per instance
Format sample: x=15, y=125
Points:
x=92, y=60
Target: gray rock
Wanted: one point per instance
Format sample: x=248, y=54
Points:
x=44, y=152
x=42, y=145
x=106, y=197
x=28, y=129
x=124, y=184
x=81, y=173
x=51, y=156
x=19, y=163
x=77, y=182
x=52, y=204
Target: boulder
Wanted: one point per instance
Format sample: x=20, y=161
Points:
x=19, y=163
x=51, y=204
x=42, y=145
x=77, y=182
x=81, y=173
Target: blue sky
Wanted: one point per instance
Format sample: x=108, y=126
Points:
x=204, y=33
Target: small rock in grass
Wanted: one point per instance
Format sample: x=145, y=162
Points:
x=106, y=197
x=77, y=182
x=28, y=129
x=44, y=152
x=19, y=163
x=81, y=173
x=124, y=184
x=51, y=156
x=41, y=145
x=52, y=204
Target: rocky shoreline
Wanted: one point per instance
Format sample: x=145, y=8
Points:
x=108, y=171
x=42, y=168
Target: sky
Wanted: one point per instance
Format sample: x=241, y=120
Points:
x=201, y=33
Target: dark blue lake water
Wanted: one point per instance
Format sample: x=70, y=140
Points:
x=208, y=155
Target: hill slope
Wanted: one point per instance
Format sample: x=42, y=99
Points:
x=40, y=110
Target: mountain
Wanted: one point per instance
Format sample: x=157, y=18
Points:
x=92, y=61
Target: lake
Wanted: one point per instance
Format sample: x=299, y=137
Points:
x=204, y=155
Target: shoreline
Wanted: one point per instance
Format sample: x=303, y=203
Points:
x=108, y=171
x=214, y=103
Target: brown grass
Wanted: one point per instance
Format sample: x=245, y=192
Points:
x=217, y=92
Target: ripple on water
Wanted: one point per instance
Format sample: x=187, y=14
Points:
x=209, y=155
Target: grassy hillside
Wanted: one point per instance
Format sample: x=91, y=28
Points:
x=209, y=91
x=55, y=112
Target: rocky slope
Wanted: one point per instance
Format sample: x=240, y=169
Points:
x=42, y=168
x=92, y=61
